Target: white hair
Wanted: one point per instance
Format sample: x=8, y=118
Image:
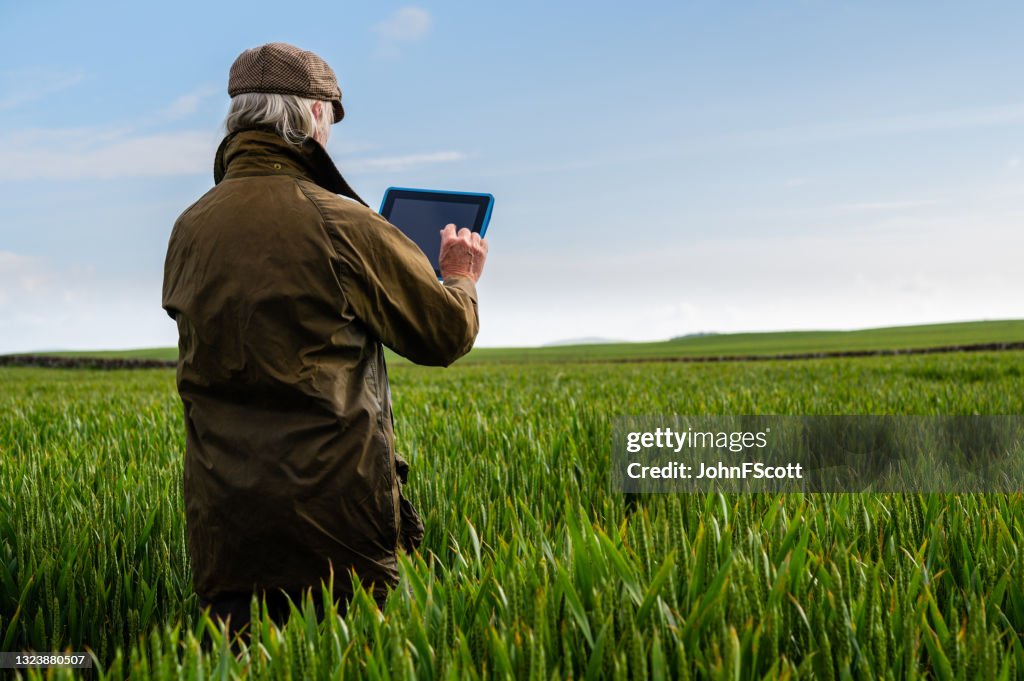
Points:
x=290, y=115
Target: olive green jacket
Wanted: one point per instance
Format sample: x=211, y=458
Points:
x=283, y=293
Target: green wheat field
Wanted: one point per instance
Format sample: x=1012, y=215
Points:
x=532, y=567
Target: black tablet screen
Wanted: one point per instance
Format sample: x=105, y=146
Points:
x=422, y=221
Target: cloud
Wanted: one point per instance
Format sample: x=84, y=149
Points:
x=884, y=205
x=944, y=268
x=140, y=149
x=187, y=104
x=30, y=85
x=94, y=153
x=19, y=274
x=44, y=306
x=399, y=163
x=825, y=132
x=111, y=151
x=917, y=122
x=405, y=25
x=103, y=153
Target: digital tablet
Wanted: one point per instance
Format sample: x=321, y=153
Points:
x=421, y=214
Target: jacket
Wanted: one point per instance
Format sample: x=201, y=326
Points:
x=283, y=293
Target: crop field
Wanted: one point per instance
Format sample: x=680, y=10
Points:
x=728, y=344
x=532, y=567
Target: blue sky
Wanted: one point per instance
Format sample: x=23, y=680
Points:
x=659, y=168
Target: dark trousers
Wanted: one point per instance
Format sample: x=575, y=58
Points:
x=234, y=608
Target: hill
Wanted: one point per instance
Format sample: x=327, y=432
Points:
x=710, y=345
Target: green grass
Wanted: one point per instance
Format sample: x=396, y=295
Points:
x=898, y=337
x=531, y=566
x=141, y=353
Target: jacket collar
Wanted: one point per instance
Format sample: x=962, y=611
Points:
x=261, y=151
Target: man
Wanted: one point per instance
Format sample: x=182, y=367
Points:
x=283, y=293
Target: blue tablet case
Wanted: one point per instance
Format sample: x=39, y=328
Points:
x=422, y=213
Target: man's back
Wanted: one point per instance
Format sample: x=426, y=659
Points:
x=282, y=291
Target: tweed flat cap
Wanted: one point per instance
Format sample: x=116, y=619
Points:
x=283, y=69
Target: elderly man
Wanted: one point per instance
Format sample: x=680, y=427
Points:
x=283, y=293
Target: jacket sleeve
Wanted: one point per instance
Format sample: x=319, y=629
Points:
x=392, y=288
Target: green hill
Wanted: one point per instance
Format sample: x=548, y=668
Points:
x=141, y=353
x=771, y=343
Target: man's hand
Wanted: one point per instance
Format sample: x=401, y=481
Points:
x=462, y=254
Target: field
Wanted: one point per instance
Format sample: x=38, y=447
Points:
x=532, y=567
x=891, y=338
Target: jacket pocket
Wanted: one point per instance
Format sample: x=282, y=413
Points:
x=411, y=525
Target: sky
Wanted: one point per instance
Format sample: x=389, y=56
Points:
x=659, y=168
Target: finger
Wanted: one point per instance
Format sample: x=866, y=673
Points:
x=464, y=233
x=448, y=231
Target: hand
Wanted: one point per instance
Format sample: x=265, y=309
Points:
x=462, y=254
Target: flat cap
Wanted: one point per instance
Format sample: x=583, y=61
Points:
x=283, y=69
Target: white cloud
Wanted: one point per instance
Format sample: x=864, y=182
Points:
x=138, y=151
x=399, y=163
x=18, y=274
x=910, y=270
x=405, y=25
x=48, y=307
x=103, y=153
x=111, y=153
x=884, y=205
x=786, y=136
x=943, y=268
x=187, y=104
x=899, y=124
x=31, y=85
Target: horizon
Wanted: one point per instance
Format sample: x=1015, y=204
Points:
x=570, y=342
x=659, y=170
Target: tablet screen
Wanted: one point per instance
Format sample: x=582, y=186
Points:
x=422, y=221
x=421, y=214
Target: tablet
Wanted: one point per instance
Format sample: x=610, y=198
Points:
x=421, y=214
